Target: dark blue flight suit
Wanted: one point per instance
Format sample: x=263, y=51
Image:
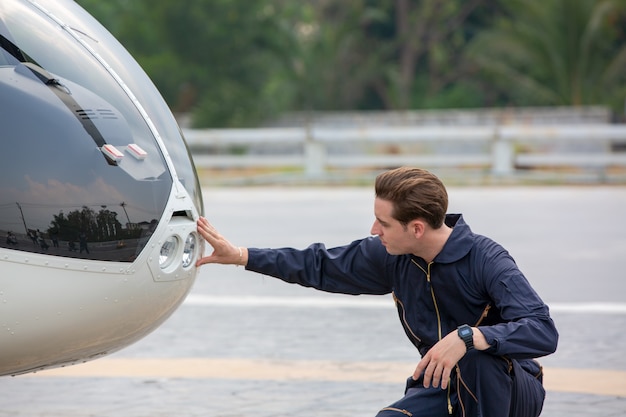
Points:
x=473, y=281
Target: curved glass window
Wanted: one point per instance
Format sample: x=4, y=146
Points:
x=81, y=172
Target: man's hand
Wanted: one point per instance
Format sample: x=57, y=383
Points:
x=224, y=252
x=438, y=363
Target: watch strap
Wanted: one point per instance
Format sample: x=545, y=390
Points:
x=466, y=334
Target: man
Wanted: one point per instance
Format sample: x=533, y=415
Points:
x=462, y=301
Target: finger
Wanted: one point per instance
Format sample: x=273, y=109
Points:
x=208, y=232
x=445, y=378
x=428, y=367
x=436, y=376
x=201, y=226
x=203, y=223
x=420, y=368
x=428, y=374
x=206, y=260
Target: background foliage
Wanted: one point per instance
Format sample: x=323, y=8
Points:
x=233, y=63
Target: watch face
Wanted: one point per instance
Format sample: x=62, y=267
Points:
x=465, y=331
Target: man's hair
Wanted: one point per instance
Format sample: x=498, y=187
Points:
x=415, y=193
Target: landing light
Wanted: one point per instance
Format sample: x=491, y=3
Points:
x=189, y=250
x=168, y=252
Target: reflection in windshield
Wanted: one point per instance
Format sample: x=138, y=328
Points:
x=82, y=232
x=81, y=174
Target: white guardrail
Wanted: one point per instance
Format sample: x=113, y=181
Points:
x=501, y=149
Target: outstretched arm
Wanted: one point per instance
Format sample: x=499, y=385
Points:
x=357, y=268
x=224, y=252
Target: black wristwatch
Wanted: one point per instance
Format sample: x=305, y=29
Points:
x=467, y=335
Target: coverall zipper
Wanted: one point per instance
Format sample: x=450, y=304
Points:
x=399, y=410
x=432, y=294
x=405, y=322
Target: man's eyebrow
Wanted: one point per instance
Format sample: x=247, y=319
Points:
x=381, y=221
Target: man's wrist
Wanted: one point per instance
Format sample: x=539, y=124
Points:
x=466, y=334
x=242, y=256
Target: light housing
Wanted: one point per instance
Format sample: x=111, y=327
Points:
x=168, y=252
x=189, y=250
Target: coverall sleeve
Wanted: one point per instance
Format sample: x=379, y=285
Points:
x=527, y=330
x=357, y=268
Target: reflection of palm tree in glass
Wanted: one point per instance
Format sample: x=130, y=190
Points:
x=108, y=227
x=123, y=204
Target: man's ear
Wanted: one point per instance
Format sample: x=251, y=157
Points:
x=417, y=227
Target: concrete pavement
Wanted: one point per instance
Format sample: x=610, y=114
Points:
x=247, y=345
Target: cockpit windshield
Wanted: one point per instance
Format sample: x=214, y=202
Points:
x=82, y=170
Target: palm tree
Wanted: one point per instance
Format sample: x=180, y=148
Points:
x=394, y=55
x=557, y=52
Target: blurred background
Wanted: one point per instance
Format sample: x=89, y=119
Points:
x=233, y=63
x=257, y=85
x=331, y=92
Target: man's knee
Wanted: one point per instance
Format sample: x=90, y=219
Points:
x=418, y=402
x=493, y=385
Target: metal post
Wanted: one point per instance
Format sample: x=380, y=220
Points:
x=23, y=220
x=502, y=154
x=314, y=155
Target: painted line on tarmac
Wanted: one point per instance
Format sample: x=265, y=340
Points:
x=363, y=301
x=586, y=381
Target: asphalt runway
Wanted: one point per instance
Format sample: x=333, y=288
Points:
x=247, y=345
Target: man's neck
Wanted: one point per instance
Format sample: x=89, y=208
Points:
x=433, y=242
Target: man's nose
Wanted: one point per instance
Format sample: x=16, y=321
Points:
x=375, y=230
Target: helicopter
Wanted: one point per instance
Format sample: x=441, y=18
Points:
x=99, y=196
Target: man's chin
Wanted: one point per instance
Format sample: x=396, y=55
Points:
x=390, y=251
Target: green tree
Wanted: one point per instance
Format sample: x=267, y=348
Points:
x=369, y=54
x=324, y=63
x=556, y=52
x=235, y=63
x=222, y=60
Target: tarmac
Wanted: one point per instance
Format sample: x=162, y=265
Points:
x=247, y=345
